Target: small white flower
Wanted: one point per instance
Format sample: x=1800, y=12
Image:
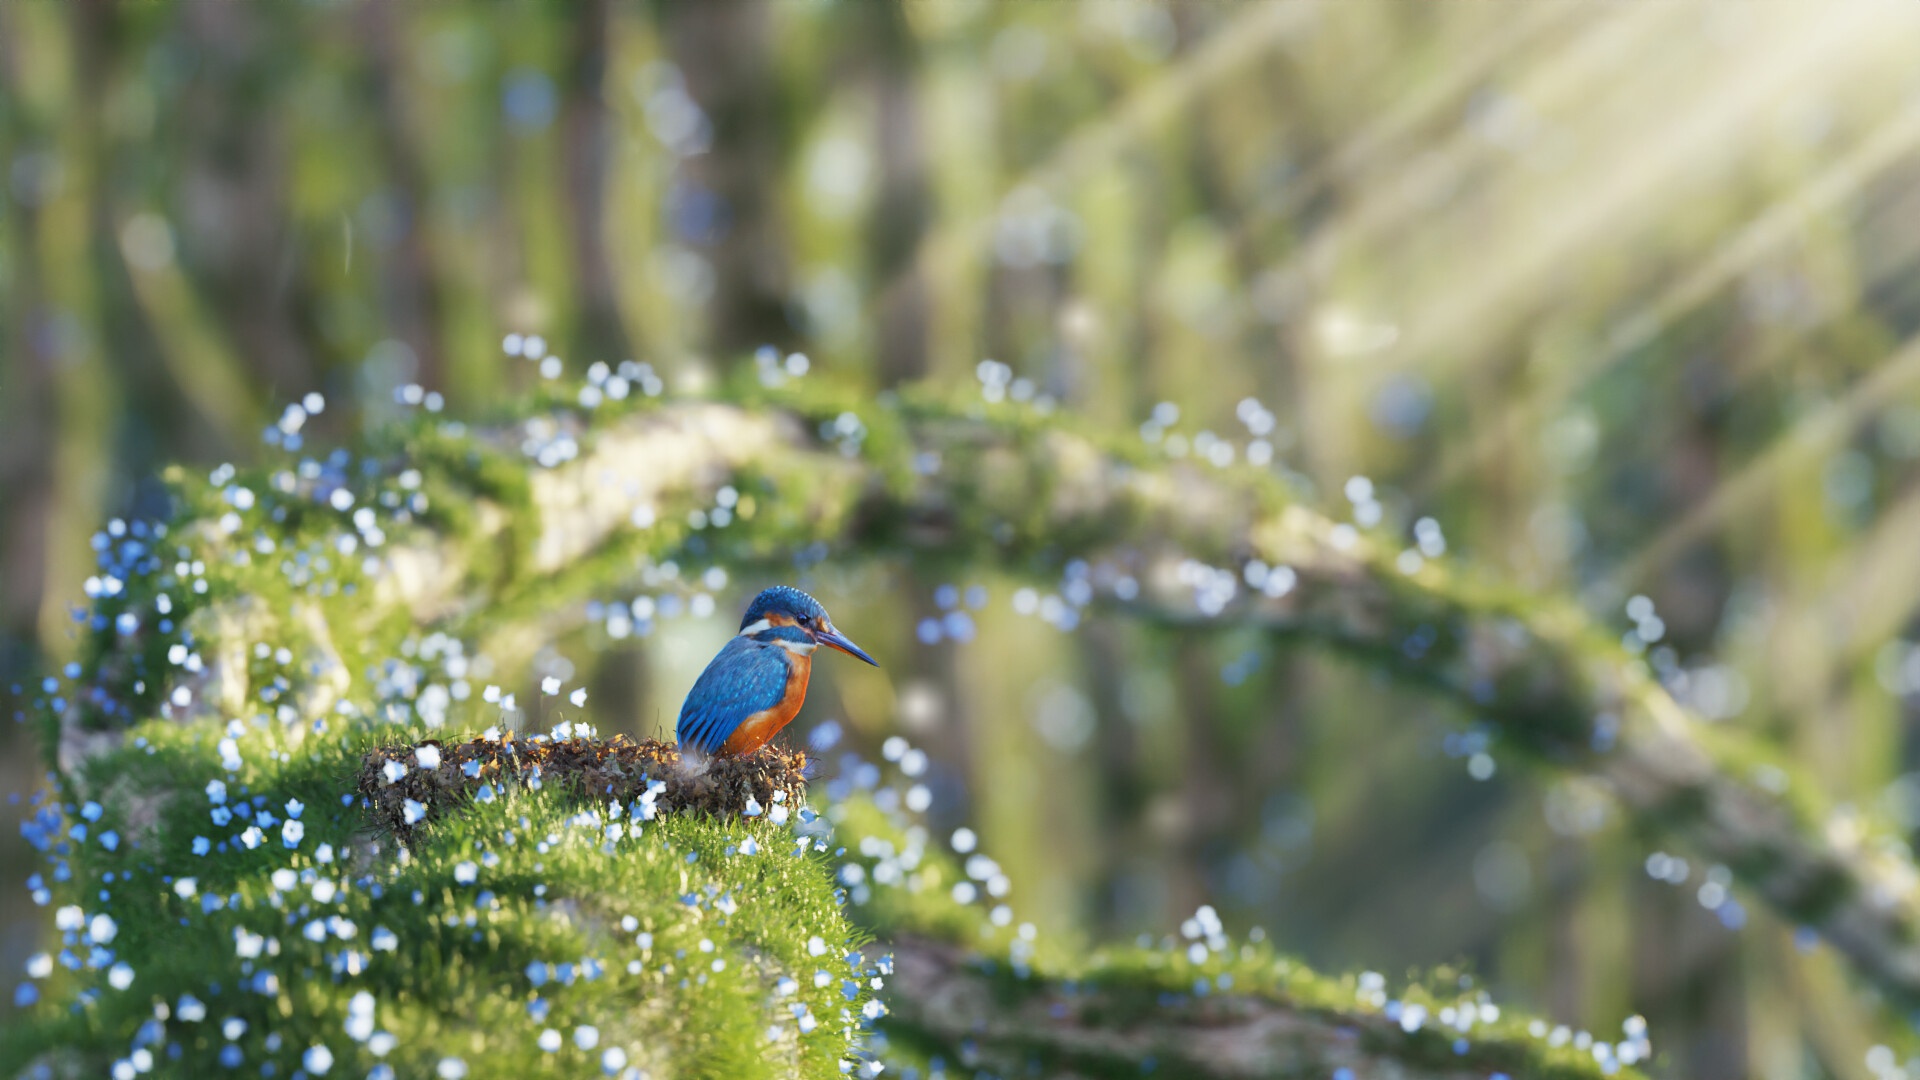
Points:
x=360, y=1017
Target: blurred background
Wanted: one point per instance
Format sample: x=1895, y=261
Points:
x=1623, y=295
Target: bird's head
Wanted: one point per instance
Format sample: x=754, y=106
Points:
x=784, y=605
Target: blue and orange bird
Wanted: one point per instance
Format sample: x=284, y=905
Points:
x=758, y=682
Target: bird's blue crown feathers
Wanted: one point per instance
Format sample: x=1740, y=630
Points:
x=784, y=599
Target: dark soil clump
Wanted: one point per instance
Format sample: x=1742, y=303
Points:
x=597, y=770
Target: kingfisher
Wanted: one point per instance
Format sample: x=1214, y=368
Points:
x=756, y=685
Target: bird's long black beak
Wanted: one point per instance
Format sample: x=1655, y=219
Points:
x=830, y=636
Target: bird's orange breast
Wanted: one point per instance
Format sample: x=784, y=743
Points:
x=754, y=732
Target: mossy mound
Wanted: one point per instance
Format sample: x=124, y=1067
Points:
x=406, y=783
x=267, y=920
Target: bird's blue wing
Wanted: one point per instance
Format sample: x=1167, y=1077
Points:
x=747, y=677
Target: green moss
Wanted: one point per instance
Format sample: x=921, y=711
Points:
x=525, y=878
x=463, y=494
x=1119, y=987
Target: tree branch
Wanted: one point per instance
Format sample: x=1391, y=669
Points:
x=942, y=995
x=1170, y=540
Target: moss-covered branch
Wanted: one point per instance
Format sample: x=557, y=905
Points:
x=969, y=989
x=985, y=1016
x=250, y=651
x=1176, y=540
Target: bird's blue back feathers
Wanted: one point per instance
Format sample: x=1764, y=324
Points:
x=748, y=676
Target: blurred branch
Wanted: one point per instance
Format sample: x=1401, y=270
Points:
x=946, y=996
x=586, y=145
x=231, y=188
x=1823, y=430
x=201, y=363
x=27, y=412
x=60, y=253
x=415, y=302
x=903, y=204
x=723, y=52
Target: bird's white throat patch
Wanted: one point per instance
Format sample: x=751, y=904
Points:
x=797, y=648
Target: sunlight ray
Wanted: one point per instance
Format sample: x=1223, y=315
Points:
x=1877, y=590
x=1359, y=152
x=1226, y=51
x=1821, y=432
x=1475, y=303
x=1551, y=82
x=1761, y=238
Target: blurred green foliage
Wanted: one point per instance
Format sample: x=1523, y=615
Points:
x=1620, y=295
